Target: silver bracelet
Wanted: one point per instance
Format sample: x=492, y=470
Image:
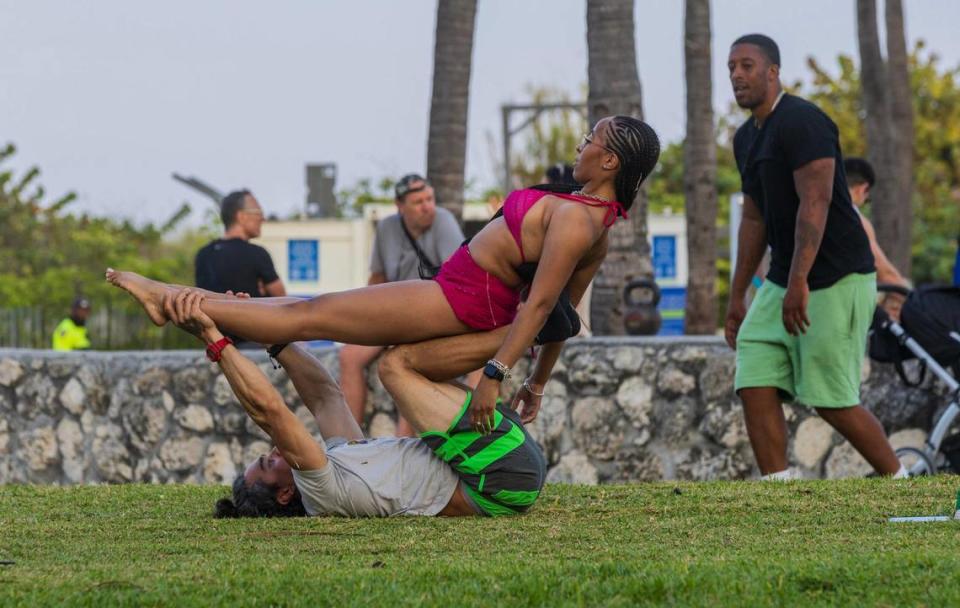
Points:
x=501, y=367
x=526, y=385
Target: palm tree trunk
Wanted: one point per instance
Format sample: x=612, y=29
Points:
x=615, y=89
x=901, y=113
x=700, y=173
x=876, y=104
x=447, y=142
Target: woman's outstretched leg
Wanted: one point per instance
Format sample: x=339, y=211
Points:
x=152, y=294
x=380, y=315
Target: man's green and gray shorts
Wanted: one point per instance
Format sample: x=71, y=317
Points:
x=503, y=472
x=820, y=368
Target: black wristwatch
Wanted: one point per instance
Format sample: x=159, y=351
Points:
x=495, y=370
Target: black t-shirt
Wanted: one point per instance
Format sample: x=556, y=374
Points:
x=233, y=264
x=794, y=134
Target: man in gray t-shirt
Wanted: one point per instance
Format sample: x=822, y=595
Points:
x=435, y=230
x=451, y=470
x=395, y=258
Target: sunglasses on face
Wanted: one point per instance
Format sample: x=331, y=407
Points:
x=588, y=139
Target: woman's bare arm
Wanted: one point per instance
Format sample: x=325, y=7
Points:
x=550, y=353
x=569, y=238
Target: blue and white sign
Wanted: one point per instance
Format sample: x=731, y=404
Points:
x=303, y=260
x=665, y=257
x=673, y=301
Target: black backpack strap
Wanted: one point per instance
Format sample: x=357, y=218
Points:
x=427, y=269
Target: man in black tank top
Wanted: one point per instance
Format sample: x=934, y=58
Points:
x=805, y=334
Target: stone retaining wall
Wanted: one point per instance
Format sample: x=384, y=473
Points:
x=618, y=409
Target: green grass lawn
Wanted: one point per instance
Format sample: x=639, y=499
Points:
x=702, y=544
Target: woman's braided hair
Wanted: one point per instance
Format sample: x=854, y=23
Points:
x=637, y=146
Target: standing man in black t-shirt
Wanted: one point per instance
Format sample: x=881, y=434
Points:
x=232, y=263
x=804, y=336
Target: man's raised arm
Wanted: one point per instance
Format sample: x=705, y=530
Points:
x=253, y=389
x=320, y=393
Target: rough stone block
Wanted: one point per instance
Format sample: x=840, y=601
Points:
x=723, y=423
x=716, y=379
x=626, y=358
x=590, y=374
x=37, y=395
x=675, y=382
x=708, y=464
x=597, y=427
x=695, y=355
x=70, y=437
x=812, y=441
x=635, y=398
x=110, y=454
x=181, y=453
x=908, y=438
x=635, y=463
x=675, y=419
x=10, y=372
x=222, y=393
x=145, y=425
x=38, y=448
x=73, y=397
x=193, y=383
x=845, y=461
x=62, y=368
x=6, y=471
x=195, y=418
x=167, y=400
x=218, y=466
x=574, y=467
x=229, y=421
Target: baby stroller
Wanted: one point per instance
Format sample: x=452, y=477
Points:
x=929, y=331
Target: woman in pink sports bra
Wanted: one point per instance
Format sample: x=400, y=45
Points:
x=478, y=287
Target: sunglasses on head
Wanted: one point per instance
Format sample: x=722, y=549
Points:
x=406, y=185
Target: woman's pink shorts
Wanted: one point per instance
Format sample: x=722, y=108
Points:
x=478, y=298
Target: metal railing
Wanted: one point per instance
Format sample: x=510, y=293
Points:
x=108, y=329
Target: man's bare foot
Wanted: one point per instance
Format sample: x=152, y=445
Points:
x=148, y=292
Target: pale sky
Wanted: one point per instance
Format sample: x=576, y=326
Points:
x=110, y=97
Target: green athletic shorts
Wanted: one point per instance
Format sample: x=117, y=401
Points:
x=502, y=472
x=820, y=368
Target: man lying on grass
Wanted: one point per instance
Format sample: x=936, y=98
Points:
x=450, y=470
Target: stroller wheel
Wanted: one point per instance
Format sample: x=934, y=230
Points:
x=915, y=461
